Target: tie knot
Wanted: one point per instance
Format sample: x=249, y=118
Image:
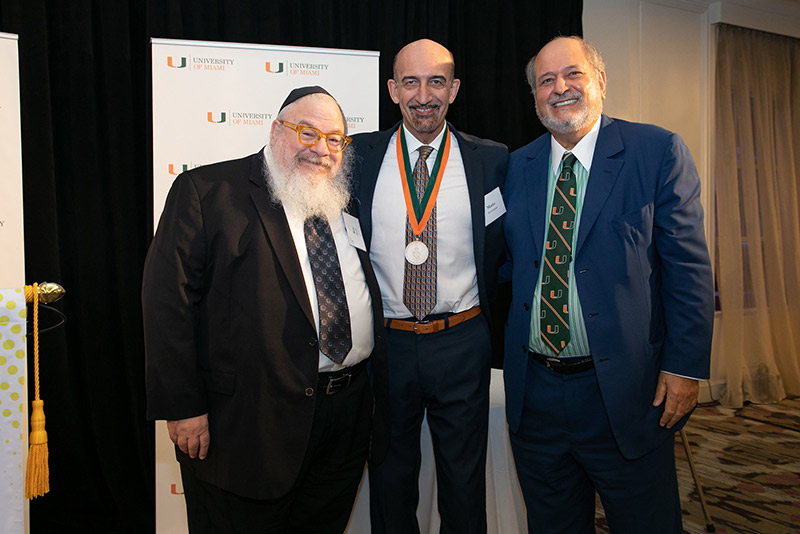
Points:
x=424, y=152
x=568, y=160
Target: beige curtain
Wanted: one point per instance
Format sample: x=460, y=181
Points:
x=757, y=170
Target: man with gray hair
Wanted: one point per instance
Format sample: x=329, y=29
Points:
x=263, y=332
x=611, y=316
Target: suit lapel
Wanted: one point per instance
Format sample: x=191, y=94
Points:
x=604, y=173
x=372, y=151
x=277, y=229
x=536, y=174
x=473, y=171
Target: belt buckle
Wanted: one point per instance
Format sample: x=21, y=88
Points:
x=549, y=361
x=335, y=382
x=417, y=323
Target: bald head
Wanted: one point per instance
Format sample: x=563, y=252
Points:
x=426, y=48
x=424, y=87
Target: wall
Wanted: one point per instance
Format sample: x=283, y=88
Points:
x=659, y=57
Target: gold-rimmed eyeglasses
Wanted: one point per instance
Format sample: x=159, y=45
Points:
x=310, y=136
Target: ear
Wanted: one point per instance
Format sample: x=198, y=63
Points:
x=601, y=80
x=274, y=129
x=394, y=90
x=454, y=85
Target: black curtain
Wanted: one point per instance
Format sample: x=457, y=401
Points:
x=87, y=165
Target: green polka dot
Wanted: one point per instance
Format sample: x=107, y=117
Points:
x=4, y=385
x=8, y=344
x=16, y=329
x=23, y=313
x=21, y=408
x=12, y=369
x=15, y=424
x=4, y=320
x=11, y=305
x=2, y=360
x=6, y=412
x=15, y=396
x=21, y=381
x=20, y=354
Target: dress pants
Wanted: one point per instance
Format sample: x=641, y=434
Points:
x=564, y=451
x=446, y=374
x=321, y=500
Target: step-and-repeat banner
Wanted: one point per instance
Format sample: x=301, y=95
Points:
x=216, y=101
x=13, y=395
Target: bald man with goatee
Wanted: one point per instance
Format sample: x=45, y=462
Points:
x=424, y=188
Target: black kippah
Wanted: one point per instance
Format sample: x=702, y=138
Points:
x=300, y=92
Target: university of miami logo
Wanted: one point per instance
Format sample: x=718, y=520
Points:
x=270, y=68
x=171, y=62
x=211, y=117
x=175, y=172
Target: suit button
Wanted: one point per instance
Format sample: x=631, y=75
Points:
x=591, y=315
x=524, y=348
x=526, y=307
x=309, y=392
x=312, y=342
x=582, y=271
x=536, y=263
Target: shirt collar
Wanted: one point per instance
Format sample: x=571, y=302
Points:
x=413, y=143
x=584, y=150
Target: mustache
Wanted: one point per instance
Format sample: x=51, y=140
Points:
x=316, y=160
x=569, y=95
x=431, y=105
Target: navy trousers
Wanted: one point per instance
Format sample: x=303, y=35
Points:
x=564, y=451
x=445, y=374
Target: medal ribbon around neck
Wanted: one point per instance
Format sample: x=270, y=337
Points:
x=419, y=211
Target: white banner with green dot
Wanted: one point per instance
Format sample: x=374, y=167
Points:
x=13, y=422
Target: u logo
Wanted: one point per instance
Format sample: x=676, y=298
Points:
x=568, y=225
x=550, y=245
x=211, y=117
x=552, y=329
x=558, y=210
x=280, y=68
x=173, y=172
x=561, y=260
x=555, y=293
x=171, y=63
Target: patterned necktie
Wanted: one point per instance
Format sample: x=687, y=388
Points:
x=554, y=316
x=335, y=338
x=419, y=281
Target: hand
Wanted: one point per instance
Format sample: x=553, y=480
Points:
x=191, y=435
x=681, y=396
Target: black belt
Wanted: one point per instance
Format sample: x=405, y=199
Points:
x=564, y=366
x=336, y=381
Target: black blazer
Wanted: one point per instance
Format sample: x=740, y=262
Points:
x=485, y=164
x=229, y=330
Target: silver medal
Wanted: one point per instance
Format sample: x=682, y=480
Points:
x=416, y=253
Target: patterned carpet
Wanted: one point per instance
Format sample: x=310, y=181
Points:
x=748, y=461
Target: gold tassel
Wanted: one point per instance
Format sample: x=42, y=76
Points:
x=37, y=478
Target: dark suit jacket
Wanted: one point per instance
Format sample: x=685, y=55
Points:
x=229, y=330
x=641, y=268
x=485, y=164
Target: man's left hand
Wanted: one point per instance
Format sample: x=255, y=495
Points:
x=680, y=394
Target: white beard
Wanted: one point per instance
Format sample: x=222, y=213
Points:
x=310, y=196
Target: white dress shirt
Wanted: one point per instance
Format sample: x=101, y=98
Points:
x=456, y=277
x=359, y=301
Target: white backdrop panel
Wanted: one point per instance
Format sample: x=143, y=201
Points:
x=13, y=393
x=215, y=101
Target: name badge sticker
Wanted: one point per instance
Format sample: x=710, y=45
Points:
x=493, y=206
x=354, y=234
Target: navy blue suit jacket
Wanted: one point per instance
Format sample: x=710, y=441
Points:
x=485, y=164
x=641, y=268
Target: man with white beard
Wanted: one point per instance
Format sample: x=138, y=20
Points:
x=263, y=332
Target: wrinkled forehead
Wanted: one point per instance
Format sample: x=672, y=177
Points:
x=317, y=110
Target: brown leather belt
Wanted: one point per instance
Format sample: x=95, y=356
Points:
x=431, y=327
